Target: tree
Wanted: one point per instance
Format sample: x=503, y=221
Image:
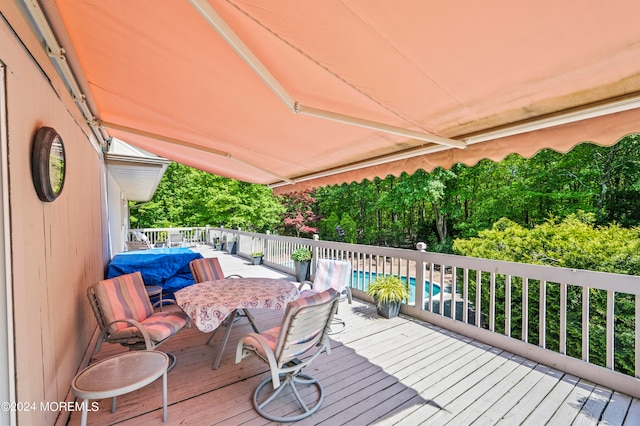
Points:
x=299, y=216
x=190, y=197
x=349, y=228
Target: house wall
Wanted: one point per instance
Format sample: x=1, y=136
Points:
x=57, y=248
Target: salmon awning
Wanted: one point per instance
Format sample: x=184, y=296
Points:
x=296, y=94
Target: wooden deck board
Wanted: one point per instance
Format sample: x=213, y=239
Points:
x=382, y=372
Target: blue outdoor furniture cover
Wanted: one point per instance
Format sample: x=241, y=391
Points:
x=164, y=267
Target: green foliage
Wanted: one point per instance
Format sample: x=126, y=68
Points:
x=190, y=197
x=574, y=242
x=444, y=205
x=301, y=254
x=328, y=227
x=349, y=227
x=388, y=288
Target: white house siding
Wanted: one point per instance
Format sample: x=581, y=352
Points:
x=57, y=248
x=118, y=215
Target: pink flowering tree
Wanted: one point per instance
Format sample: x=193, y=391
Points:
x=300, y=219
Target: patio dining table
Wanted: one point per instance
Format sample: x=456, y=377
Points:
x=209, y=303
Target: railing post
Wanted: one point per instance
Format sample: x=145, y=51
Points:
x=420, y=268
x=316, y=254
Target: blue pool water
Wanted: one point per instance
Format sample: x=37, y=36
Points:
x=361, y=277
x=361, y=281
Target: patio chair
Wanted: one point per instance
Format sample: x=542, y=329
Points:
x=138, y=245
x=139, y=241
x=303, y=331
x=209, y=269
x=175, y=239
x=125, y=315
x=335, y=274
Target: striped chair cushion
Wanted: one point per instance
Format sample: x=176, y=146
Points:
x=123, y=297
x=207, y=269
x=335, y=274
x=271, y=336
x=159, y=326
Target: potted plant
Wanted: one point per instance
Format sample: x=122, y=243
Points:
x=388, y=292
x=301, y=259
x=257, y=257
x=232, y=246
x=218, y=244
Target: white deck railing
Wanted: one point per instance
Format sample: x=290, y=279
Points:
x=487, y=300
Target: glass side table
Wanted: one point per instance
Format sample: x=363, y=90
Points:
x=121, y=374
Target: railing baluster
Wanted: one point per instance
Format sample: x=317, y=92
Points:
x=610, y=324
x=585, y=324
x=525, y=309
x=478, y=298
x=542, y=315
x=442, y=285
x=431, y=287
x=453, y=292
x=507, y=307
x=492, y=302
x=563, y=319
x=465, y=296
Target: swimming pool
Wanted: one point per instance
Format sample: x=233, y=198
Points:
x=362, y=277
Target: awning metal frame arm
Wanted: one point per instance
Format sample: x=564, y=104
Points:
x=235, y=42
x=187, y=144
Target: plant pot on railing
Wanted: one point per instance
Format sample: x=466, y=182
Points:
x=232, y=247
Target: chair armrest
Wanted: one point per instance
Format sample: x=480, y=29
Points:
x=242, y=351
x=303, y=283
x=136, y=324
x=233, y=276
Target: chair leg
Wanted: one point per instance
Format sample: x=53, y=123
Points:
x=289, y=380
x=337, y=326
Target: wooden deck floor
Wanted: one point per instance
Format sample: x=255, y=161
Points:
x=400, y=371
